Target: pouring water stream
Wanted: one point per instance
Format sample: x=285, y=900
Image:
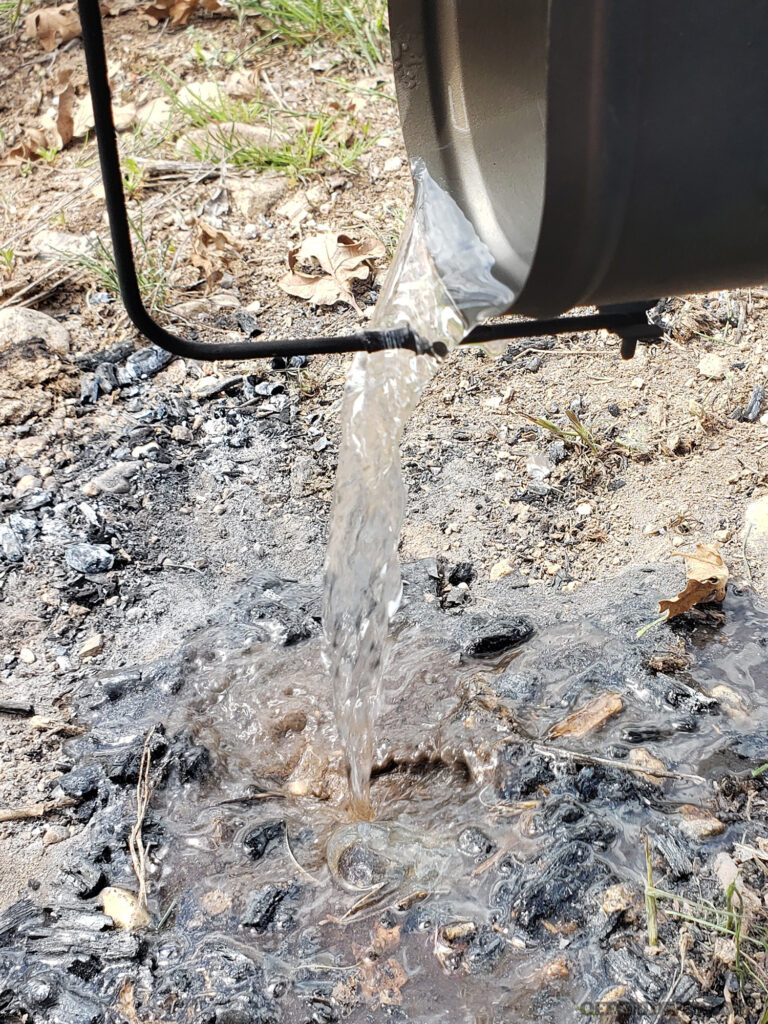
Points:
x=441, y=285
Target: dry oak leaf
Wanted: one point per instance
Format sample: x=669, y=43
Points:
x=212, y=248
x=52, y=133
x=341, y=260
x=52, y=26
x=179, y=11
x=590, y=717
x=707, y=580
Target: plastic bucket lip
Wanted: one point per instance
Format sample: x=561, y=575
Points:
x=605, y=150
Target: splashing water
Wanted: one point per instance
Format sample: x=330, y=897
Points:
x=440, y=285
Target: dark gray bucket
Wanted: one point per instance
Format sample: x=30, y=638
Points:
x=605, y=151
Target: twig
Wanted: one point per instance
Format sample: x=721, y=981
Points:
x=650, y=898
x=575, y=755
x=135, y=839
x=304, y=871
x=36, y=810
x=744, y=551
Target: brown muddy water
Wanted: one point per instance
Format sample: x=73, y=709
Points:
x=479, y=892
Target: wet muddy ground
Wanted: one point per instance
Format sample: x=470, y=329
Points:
x=505, y=875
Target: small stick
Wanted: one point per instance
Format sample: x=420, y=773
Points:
x=35, y=810
x=136, y=840
x=574, y=755
x=744, y=551
x=650, y=898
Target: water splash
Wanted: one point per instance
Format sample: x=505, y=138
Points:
x=441, y=285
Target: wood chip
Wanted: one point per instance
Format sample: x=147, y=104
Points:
x=588, y=718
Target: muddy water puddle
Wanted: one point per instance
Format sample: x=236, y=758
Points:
x=502, y=879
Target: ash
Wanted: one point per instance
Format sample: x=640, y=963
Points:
x=504, y=877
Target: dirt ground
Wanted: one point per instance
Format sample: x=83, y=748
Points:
x=210, y=474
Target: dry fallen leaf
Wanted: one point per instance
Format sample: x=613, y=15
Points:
x=341, y=261
x=707, y=580
x=53, y=133
x=213, y=249
x=52, y=26
x=179, y=11
x=590, y=717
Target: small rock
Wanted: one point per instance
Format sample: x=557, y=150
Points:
x=106, y=377
x=114, y=480
x=89, y=558
x=712, y=366
x=27, y=656
x=32, y=345
x=253, y=197
x=93, y=645
x=462, y=572
x=51, y=244
x=124, y=908
x=181, y=433
x=614, y=410
x=393, y=165
x=642, y=758
x=55, y=834
x=638, y=383
x=27, y=483
x=146, y=451
x=501, y=569
x=699, y=824
x=617, y=898
x=584, y=509
x=733, y=703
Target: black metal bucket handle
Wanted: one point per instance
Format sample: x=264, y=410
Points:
x=630, y=323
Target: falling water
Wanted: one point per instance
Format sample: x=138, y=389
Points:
x=440, y=285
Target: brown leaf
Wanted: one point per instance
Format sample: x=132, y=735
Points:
x=341, y=262
x=52, y=26
x=179, y=11
x=590, y=717
x=29, y=147
x=213, y=249
x=707, y=580
x=65, y=121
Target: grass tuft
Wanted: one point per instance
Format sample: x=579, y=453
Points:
x=358, y=26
